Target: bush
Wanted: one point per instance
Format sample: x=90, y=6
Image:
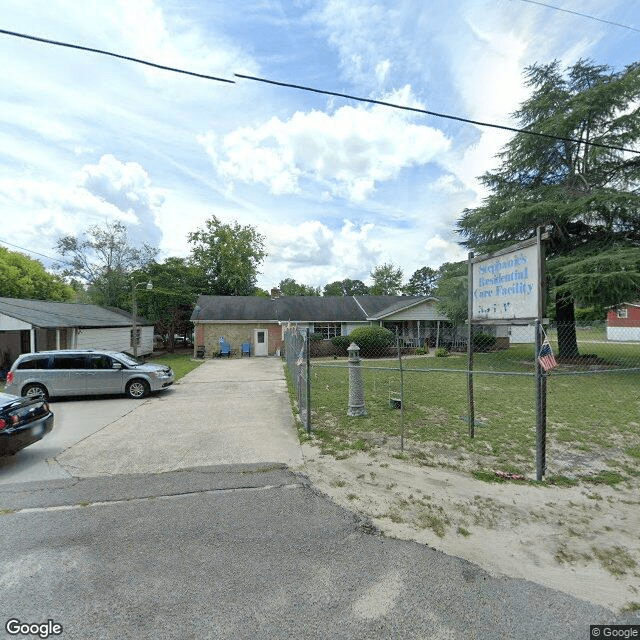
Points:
x=420, y=351
x=316, y=336
x=371, y=340
x=441, y=352
x=483, y=342
x=342, y=342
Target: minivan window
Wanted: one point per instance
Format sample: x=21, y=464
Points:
x=128, y=360
x=69, y=362
x=34, y=363
x=99, y=361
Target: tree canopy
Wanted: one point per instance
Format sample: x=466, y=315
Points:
x=422, y=282
x=387, y=280
x=289, y=287
x=586, y=197
x=346, y=287
x=228, y=257
x=103, y=258
x=23, y=277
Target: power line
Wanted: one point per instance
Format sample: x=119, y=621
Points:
x=434, y=113
x=36, y=253
x=582, y=15
x=325, y=92
x=113, y=55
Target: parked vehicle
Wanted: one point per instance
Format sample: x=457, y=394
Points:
x=23, y=421
x=79, y=372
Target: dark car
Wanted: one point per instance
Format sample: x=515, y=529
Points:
x=23, y=421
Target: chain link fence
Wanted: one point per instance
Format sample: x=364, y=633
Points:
x=297, y=357
x=447, y=404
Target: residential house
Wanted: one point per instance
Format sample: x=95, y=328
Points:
x=261, y=321
x=623, y=322
x=37, y=325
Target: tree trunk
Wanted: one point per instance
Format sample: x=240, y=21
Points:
x=566, y=323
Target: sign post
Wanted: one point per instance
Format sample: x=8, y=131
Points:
x=507, y=287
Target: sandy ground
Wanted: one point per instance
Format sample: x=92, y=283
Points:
x=583, y=540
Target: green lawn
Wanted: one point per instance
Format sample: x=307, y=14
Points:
x=181, y=363
x=590, y=413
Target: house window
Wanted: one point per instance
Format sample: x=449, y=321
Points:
x=328, y=329
x=622, y=313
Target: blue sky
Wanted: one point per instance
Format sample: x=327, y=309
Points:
x=336, y=187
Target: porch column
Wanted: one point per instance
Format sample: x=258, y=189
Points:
x=438, y=335
x=32, y=340
x=58, y=339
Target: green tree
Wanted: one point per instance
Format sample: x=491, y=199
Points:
x=421, y=283
x=102, y=259
x=387, y=280
x=23, y=277
x=346, y=287
x=451, y=291
x=289, y=287
x=170, y=303
x=586, y=197
x=227, y=256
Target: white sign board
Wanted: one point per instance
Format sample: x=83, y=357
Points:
x=506, y=286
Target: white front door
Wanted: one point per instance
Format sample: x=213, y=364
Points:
x=260, y=342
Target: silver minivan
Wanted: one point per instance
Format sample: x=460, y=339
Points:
x=79, y=372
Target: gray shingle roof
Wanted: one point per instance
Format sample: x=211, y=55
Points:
x=299, y=308
x=50, y=315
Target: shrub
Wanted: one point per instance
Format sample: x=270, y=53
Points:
x=316, y=336
x=420, y=351
x=342, y=342
x=483, y=342
x=441, y=352
x=371, y=340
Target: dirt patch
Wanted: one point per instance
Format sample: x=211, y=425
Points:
x=582, y=539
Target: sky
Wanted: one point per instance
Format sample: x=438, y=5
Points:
x=336, y=187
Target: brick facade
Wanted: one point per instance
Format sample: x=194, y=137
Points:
x=209, y=334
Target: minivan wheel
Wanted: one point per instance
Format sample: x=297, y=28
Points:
x=138, y=389
x=35, y=391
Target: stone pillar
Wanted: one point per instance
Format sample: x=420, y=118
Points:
x=356, y=388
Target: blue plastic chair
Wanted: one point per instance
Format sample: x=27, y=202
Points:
x=246, y=349
x=225, y=349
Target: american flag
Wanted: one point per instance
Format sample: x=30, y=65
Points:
x=546, y=357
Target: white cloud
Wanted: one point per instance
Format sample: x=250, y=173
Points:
x=346, y=153
x=108, y=191
x=126, y=186
x=319, y=254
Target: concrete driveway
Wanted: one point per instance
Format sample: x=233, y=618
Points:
x=224, y=412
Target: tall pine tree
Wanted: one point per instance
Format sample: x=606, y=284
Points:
x=587, y=197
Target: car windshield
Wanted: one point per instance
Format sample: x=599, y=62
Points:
x=128, y=360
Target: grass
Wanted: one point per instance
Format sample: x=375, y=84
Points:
x=588, y=413
x=615, y=560
x=181, y=363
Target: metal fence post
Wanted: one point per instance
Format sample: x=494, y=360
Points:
x=401, y=392
x=308, y=365
x=541, y=408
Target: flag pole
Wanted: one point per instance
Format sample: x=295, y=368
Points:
x=541, y=376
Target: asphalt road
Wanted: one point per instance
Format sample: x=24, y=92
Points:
x=246, y=552
x=187, y=547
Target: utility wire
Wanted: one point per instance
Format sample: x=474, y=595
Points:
x=582, y=15
x=434, y=113
x=113, y=55
x=42, y=255
x=324, y=92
